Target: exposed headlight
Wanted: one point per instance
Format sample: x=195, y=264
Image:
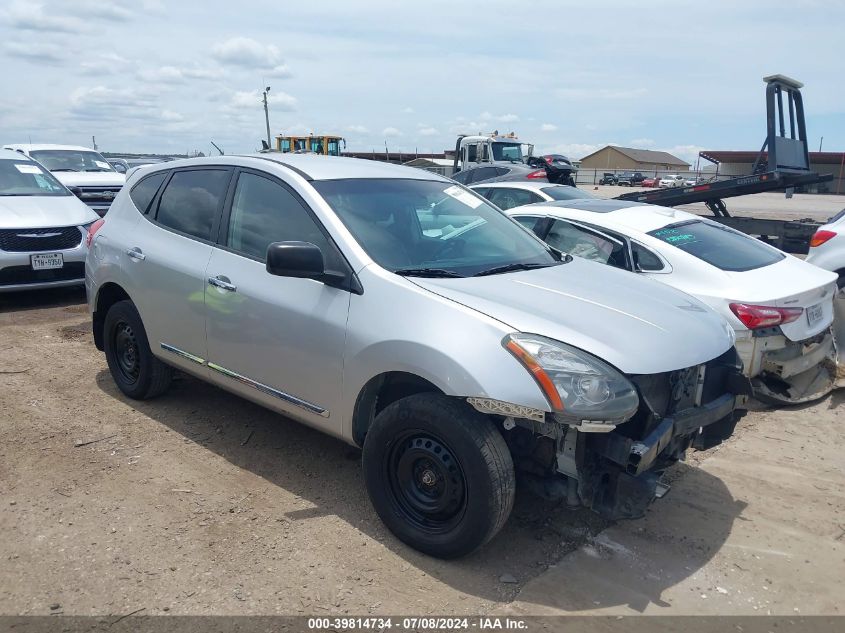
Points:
x=577, y=385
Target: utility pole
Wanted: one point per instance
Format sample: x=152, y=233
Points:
x=94, y=142
x=267, y=117
x=821, y=140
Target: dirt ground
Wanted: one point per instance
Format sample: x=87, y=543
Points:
x=200, y=502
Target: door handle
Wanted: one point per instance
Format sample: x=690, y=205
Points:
x=222, y=283
x=136, y=253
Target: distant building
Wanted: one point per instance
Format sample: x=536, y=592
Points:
x=741, y=163
x=613, y=158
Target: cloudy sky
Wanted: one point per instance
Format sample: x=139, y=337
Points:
x=171, y=76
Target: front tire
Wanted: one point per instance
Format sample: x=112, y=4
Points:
x=134, y=369
x=439, y=474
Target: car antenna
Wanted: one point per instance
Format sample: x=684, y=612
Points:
x=217, y=148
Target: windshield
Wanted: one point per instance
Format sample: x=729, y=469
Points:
x=431, y=228
x=719, y=246
x=25, y=178
x=71, y=160
x=507, y=151
x=565, y=192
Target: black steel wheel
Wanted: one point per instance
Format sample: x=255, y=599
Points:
x=439, y=474
x=134, y=368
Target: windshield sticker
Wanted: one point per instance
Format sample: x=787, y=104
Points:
x=463, y=196
x=102, y=164
x=28, y=169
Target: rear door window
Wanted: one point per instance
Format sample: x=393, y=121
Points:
x=192, y=200
x=586, y=244
x=143, y=193
x=718, y=246
x=509, y=197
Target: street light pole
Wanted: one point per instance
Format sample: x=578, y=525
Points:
x=267, y=117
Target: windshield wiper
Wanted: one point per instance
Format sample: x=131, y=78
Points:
x=64, y=169
x=427, y=272
x=507, y=268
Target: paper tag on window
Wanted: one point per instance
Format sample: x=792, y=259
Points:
x=102, y=164
x=28, y=169
x=463, y=196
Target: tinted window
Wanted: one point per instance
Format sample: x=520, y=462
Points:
x=510, y=197
x=483, y=173
x=462, y=176
x=719, y=246
x=565, y=192
x=263, y=212
x=144, y=192
x=528, y=221
x=191, y=200
x=429, y=224
x=586, y=244
x=644, y=259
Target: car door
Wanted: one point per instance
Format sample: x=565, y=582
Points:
x=276, y=340
x=166, y=256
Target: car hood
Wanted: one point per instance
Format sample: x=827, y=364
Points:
x=636, y=324
x=90, y=179
x=33, y=212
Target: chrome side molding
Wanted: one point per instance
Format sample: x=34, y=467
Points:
x=249, y=382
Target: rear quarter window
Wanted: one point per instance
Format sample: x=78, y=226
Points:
x=143, y=192
x=718, y=246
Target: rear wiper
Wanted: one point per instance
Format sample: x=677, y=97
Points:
x=507, y=268
x=426, y=272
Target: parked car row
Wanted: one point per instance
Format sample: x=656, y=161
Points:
x=409, y=316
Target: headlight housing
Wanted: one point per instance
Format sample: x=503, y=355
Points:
x=577, y=385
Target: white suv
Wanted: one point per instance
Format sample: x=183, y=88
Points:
x=81, y=169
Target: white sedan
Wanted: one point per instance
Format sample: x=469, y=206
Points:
x=516, y=193
x=671, y=180
x=827, y=247
x=780, y=307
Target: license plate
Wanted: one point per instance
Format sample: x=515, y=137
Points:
x=814, y=314
x=45, y=261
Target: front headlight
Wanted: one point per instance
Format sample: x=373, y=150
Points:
x=578, y=385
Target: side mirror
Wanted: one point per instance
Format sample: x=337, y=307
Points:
x=295, y=259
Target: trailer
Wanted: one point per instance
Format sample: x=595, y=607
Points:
x=783, y=163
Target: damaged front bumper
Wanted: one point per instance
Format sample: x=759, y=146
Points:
x=617, y=472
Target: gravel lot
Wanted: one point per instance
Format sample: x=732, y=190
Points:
x=199, y=502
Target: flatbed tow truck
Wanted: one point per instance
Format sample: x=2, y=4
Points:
x=783, y=163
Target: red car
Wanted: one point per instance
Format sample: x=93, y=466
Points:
x=650, y=182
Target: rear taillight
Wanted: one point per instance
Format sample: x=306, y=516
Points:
x=92, y=231
x=540, y=173
x=820, y=237
x=756, y=317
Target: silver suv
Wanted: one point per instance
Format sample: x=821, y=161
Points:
x=404, y=314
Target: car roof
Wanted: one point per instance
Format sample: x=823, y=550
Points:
x=34, y=147
x=636, y=217
x=10, y=154
x=317, y=167
x=521, y=184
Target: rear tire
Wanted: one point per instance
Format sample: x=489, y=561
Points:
x=134, y=369
x=439, y=474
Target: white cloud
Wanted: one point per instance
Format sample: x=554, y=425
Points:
x=253, y=99
x=686, y=152
x=428, y=131
x=245, y=51
x=357, y=129
x=280, y=71
x=391, y=132
x=163, y=74
x=36, y=51
x=408, y=110
x=110, y=10
x=548, y=127
x=105, y=64
x=169, y=115
x=502, y=118
x=31, y=16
